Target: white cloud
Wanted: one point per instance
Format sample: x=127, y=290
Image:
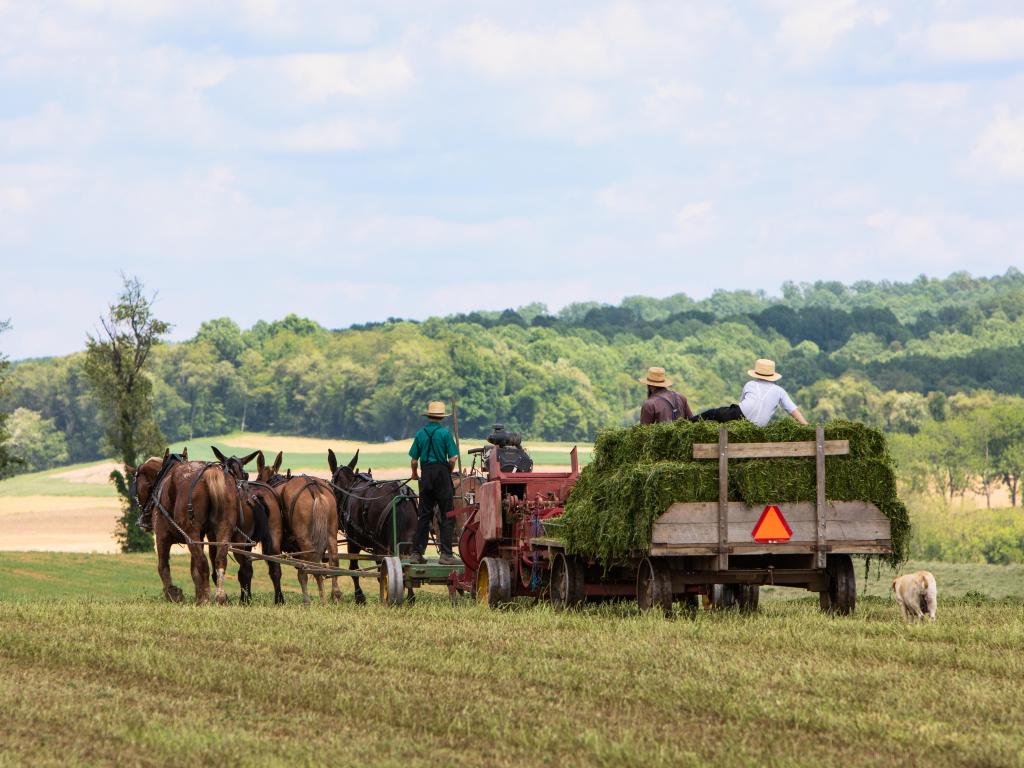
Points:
x=319, y=76
x=586, y=50
x=334, y=136
x=669, y=103
x=614, y=39
x=1000, y=147
x=694, y=221
x=49, y=128
x=937, y=242
x=989, y=39
x=808, y=29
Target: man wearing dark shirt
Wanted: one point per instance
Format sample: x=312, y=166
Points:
x=662, y=403
x=433, y=454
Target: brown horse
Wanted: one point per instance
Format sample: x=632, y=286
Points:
x=376, y=516
x=259, y=521
x=310, y=516
x=188, y=501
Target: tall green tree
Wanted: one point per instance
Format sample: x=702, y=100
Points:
x=116, y=364
x=8, y=461
x=1007, y=447
x=36, y=441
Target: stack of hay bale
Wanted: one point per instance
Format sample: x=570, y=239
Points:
x=638, y=472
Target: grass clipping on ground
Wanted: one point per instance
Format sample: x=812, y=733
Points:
x=638, y=472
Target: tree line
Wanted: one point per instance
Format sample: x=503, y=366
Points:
x=903, y=356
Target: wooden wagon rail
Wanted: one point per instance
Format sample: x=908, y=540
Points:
x=819, y=448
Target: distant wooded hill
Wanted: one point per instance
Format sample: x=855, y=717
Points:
x=891, y=354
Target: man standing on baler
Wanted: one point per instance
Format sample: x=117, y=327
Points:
x=434, y=449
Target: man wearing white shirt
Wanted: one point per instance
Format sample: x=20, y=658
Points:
x=760, y=397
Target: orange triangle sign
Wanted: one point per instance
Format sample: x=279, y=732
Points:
x=771, y=527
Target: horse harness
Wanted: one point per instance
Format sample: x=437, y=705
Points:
x=278, y=480
x=364, y=538
x=158, y=484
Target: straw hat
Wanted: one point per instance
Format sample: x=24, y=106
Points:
x=655, y=378
x=436, y=410
x=765, y=370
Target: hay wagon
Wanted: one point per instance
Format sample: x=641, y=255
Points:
x=724, y=550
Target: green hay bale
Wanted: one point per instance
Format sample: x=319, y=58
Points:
x=638, y=472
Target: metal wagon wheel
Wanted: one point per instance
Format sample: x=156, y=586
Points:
x=567, y=582
x=746, y=596
x=391, y=580
x=721, y=597
x=654, y=586
x=494, y=582
x=841, y=596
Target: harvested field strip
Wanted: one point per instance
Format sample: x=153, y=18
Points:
x=122, y=577
x=143, y=682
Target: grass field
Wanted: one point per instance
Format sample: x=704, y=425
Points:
x=95, y=668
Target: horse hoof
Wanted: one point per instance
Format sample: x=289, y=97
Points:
x=221, y=599
x=278, y=599
x=174, y=594
x=360, y=598
x=336, y=596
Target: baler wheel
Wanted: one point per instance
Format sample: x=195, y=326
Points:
x=390, y=578
x=494, y=582
x=567, y=582
x=841, y=597
x=654, y=585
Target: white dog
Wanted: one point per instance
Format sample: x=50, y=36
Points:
x=916, y=593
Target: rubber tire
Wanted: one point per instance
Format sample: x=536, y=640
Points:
x=747, y=597
x=392, y=582
x=841, y=597
x=494, y=582
x=567, y=589
x=654, y=585
x=721, y=597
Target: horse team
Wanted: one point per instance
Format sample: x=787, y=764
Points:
x=215, y=505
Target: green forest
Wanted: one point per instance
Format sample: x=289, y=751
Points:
x=936, y=363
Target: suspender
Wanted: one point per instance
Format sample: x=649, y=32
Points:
x=432, y=450
x=671, y=404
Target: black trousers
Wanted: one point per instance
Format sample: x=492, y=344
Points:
x=436, y=490
x=723, y=414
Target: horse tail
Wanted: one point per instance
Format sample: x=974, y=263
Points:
x=261, y=524
x=216, y=491
x=320, y=525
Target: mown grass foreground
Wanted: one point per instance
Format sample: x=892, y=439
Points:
x=135, y=680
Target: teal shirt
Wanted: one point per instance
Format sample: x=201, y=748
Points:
x=433, y=444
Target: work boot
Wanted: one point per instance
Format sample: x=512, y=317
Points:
x=417, y=558
x=450, y=560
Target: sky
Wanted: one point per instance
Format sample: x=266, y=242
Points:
x=351, y=162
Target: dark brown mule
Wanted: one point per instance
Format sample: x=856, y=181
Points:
x=203, y=505
x=259, y=521
x=310, y=516
x=376, y=516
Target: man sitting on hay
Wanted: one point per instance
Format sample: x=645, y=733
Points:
x=758, y=401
